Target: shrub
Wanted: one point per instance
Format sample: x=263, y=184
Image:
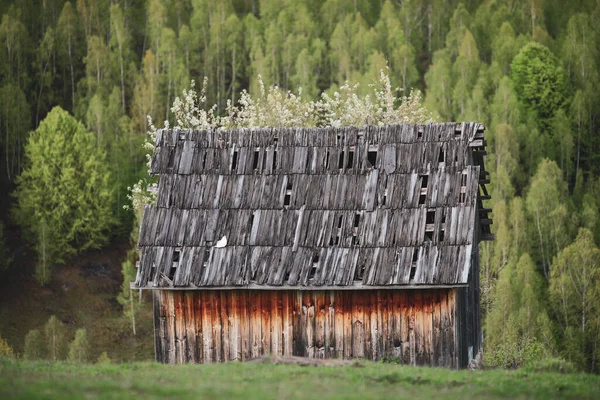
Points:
x=34, y=345
x=513, y=355
x=103, y=358
x=5, y=349
x=552, y=364
x=55, y=338
x=80, y=347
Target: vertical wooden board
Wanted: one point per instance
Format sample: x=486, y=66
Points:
x=170, y=313
x=217, y=329
x=412, y=344
x=207, y=345
x=266, y=307
x=436, y=331
x=256, y=323
x=222, y=313
x=320, y=321
x=394, y=311
x=375, y=333
x=190, y=328
x=358, y=325
x=308, y=301
x=383, y=319
x=297, y=323
x=244, y=301
x=235, y=346
x=347, y=322
x=288, y=325
x=276, y=323
x=179, y=322
x=159, y=331
x=330, y=334
x=453, y=339
x=199, y=317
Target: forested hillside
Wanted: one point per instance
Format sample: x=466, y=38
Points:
x=529, y=70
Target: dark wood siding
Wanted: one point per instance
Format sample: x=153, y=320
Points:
x=222, y=325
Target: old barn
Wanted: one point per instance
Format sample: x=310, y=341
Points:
x=327, y=243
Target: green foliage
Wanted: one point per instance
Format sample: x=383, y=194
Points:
x=574, y=292
x=79, y=348
x=5, y=349
x=551, y=364
x=35, y=346
x=539, y=81
x=103, y=359
x=55, y=339
x=513, y=355
x=64, y=192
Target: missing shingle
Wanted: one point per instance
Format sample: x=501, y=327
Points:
x=430, y=217
x=176, y=255
x=234, y=161
x=274, y=160
x=356, y=219
x=313, y=268
x=372, y=157
x=423, y=193
x=255, y=160
x=327, y=158
x=457, y=133
x=413, y=266
x=171, y=163
x=441, y=157
x=428, y=236
x=360, y=273
x=288, y=194
x=350, y=159
x=419, y=134
x=341, y=160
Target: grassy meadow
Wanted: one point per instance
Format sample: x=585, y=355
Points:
x=47, y=380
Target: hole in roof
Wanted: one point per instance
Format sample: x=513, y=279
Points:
x=172, y=271
x=171, y=163
x=441, y=156
x=457, y=133
x=264, y=163
x=350, y=159
x=372, y=157
x=234, y=161
x=176, y=255
x=360, y=273
x=313, y=272
x=204, y=160
x=441, y=235
x=288, y=194
x=429, y=236
x=205, y=258
x=327, y=158
x=463, y=180
x=275, y=160
x=415, y=256
x=255, y=160
x=419, y=134
x=340, y=219
x=341, y=160
x=315, y=258
x=430, y=217
x=413, y=272
x=356, y=219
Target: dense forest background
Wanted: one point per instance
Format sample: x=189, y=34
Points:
x=529, y=70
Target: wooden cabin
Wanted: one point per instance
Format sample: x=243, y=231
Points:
x=340, y=243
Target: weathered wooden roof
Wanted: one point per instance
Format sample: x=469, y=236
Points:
x=304, y=208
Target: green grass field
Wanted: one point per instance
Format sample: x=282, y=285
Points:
x=46, y=380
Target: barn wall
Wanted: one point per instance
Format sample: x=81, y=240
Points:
x=214, y=326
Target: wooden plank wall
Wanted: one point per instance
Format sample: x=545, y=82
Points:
x=223, y=325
